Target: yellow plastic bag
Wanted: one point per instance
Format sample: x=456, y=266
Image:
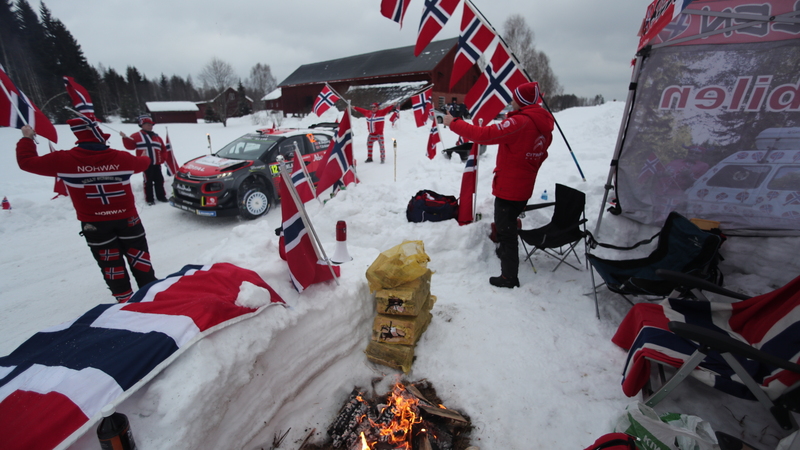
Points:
x=400, y=264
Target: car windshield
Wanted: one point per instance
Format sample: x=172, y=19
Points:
x=247, y=147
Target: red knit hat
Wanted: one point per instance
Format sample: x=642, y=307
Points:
x=527, y=94
x=145, y=119
x=87, y=130
x=375, y=105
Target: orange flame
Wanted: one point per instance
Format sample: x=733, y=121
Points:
x=403, y=407
x=364, y=445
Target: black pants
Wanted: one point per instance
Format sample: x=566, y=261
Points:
x=112, y=242
x=154, y=179
x=505, y=220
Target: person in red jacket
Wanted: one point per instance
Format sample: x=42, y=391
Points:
x=147, y=143
x=376, y=119
x=522, y=138
x=98, y=181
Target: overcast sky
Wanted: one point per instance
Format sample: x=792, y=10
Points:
x=590, y=43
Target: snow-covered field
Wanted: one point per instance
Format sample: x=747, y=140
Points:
x=532, y=367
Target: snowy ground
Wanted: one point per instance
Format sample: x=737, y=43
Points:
x=532, y=367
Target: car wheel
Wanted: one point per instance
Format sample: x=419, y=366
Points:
x=254, y=201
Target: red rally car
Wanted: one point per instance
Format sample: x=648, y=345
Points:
x=243, y=177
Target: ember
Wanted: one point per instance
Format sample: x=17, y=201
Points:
x=410, y=417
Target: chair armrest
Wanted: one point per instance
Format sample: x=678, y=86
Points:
x=693, y=282
x=725, y=344
x=538, y=206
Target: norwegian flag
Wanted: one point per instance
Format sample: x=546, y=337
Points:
x=300, y=181
x=114, y=273
x=493, y=90
x=421, y=105
x=433, y=138
x=139, y=259
x=461, y=141
x=55, y=384
x=466, y=210
x=435, y=15
x=105, y=191
x=169, y=159
x=394, y=10
x=109, y=254
x=325, y=100
x=16, y=110
x=659, y=14
x=59, y=187
x=652, y=166
x=767, y=322
x=394, y=117
x=475, y=38
x=295, y=246
x=339, y=158
x=80, y=98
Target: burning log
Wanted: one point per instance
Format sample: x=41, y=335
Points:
x=409, y=417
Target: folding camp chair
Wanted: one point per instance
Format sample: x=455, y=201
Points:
x=566, y=229
x=682, y=247
x=749, y=348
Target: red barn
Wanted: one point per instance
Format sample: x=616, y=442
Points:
x=172, y=112
x=394, y=66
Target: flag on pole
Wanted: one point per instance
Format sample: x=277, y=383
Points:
x=394, y=117
x=325, y=100
x=421, y=105
x=16, y=110
x=59, y=187
x=433, y=138
x=435, y=14
x=169, y=159
x=295, y=246
x=81, y=100
x=300, y=181
x=466, y=210
x=475, y=38
x=394, y=10
x=492, y=92
x=339, y=158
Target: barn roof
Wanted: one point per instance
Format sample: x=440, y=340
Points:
x=170, y=106
x=369, y=65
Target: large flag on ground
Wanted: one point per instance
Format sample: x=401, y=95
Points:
x=59, y=187
x=325, y=100
x=492, y=92
x=421, y=105
x=466, y=211
x=339, y=158
x=169, y=159
x=394, y=9
x=435, y=15
x=433, y=138
x=53, y=386
x=300, y=181
x=475, y=38
x=16, y=110
x=295, y=246
x=81, y=100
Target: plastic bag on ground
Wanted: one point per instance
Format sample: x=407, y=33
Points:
x=400, y=264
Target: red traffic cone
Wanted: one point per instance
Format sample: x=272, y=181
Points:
x=341, y=255
x=6, y=203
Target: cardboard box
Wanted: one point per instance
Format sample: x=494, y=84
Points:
x=395, y=356
x=408, y=299
x=403, y=330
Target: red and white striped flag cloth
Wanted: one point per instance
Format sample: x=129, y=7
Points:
x=16, y=110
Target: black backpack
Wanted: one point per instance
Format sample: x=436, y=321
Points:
x=429, y=206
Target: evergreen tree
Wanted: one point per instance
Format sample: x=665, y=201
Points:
x=243, y=108
x=9, y=33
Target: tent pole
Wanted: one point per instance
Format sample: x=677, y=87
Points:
x=637, y=69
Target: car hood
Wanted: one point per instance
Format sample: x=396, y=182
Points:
x=210, y=165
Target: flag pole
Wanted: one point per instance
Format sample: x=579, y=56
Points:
x=301, y=209
x=352, y=147
x=298, y=157
x=337, y=93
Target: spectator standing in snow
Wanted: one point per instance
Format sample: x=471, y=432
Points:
x=376, y=119
x=523, y=139
x=98, y=181
x=147, y=143
x=455, y=109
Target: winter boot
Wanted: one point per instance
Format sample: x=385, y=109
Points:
x=504, y=282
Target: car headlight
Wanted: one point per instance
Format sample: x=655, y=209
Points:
x=224, y=175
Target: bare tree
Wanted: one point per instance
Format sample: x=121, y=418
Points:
x=519, y=37
x=218, y=75
x=261, y=82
